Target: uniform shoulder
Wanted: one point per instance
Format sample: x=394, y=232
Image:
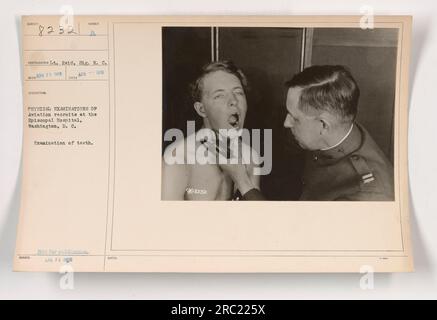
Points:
x=374, y=182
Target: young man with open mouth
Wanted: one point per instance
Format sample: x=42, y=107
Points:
x=219, y=96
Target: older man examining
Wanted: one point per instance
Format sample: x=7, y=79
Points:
x=343, y=162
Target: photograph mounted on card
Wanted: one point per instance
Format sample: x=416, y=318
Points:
x=215, y=144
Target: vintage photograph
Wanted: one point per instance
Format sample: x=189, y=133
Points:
x=306, y=115
x=268, y=113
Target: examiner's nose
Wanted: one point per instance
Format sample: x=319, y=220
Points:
x=288, y=123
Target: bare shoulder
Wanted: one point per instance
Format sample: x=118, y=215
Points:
x=175, y=172
x=175, y=152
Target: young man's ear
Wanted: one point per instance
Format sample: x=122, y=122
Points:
x=200, y=109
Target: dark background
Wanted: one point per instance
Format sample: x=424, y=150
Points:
x=269, y=57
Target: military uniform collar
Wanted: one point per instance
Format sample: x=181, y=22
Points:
x=352, y=143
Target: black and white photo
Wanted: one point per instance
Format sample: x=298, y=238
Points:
x=278, y=113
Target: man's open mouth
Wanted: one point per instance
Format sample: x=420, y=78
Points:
x=234, y=120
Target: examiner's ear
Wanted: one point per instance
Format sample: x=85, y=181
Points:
x=325, y=125
x=200, y=109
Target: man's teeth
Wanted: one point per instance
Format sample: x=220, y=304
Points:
x=233, y=120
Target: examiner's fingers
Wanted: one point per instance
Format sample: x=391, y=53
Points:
x=231, y=149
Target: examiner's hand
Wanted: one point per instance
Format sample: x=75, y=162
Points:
x=238, y=172
x=240, y=176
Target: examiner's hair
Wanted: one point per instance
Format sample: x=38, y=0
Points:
x=227, y=66
x=328, y=88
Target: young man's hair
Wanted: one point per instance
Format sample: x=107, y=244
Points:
x=328, y=88
x=226, y=66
